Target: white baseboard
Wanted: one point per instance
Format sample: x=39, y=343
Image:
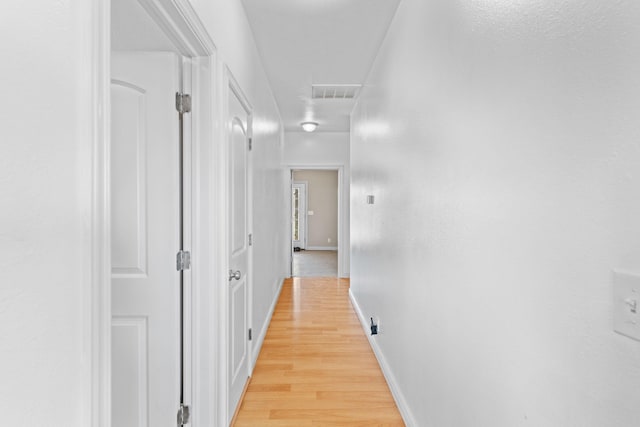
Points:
x=263, y=332
x=321, y=248
x=398, y=396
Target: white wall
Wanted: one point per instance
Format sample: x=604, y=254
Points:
x=45, y=213
x=324, y=149
x=502, y=143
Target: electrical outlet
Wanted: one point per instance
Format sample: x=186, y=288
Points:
x=374, y=327
x=329, y=240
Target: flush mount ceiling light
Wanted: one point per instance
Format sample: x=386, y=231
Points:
x=309, y=126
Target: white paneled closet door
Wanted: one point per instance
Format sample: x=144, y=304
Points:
x=145, y=238
x=238, y=124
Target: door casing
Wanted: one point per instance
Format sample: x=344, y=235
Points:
x=342, y=247
x=180, y=22
x=302, y=231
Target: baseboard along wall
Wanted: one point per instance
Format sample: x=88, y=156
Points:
x=321, y=248
x=398, y=396
x=263, y=331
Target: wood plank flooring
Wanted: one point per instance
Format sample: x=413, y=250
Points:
x=316, y=367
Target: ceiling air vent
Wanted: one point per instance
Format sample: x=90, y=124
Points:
x=335, y=91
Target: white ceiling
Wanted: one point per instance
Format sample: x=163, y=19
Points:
x=305, y=42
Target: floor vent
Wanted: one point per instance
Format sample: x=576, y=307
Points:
x=335, y=91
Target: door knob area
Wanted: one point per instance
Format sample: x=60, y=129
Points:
x=234, y=275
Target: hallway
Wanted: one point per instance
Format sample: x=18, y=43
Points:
x=316, y=367
x=487, y=157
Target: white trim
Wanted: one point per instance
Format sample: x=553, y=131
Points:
x=289, y=202
x=203, y=238
x=305, y=216
x=250, y=218
x=233, y=84
x=343, y=248
x=220, y=241
x=265, y=327
x=322, y=248
x=189, y=232
x=398, y=396
x=99, y=300
x=180, y=22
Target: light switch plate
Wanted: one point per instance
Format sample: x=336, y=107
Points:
x=626, y=304
x=310, y=213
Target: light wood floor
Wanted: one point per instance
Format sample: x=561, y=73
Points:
x=316, y=367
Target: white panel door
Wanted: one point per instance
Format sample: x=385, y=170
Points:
x=145, y=226
x=237, y=122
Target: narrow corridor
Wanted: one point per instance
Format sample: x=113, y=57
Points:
x=474, y=163
x=316, y=367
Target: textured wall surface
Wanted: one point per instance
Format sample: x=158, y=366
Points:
x=501, y=140
x=45, y=211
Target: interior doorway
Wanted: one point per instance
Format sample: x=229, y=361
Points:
x=150, y=315
x=159, y=54
x=315, y=201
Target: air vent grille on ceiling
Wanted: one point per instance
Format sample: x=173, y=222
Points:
x=334, y=91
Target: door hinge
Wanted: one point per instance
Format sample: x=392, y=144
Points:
x=183, y=260
x=183, y=103
x=250, y=239
x=250, y=144
x=250, y=336
x=183, y=414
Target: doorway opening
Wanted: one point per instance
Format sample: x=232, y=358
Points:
x=150, y=314
x=315, y=222
x=157, y=194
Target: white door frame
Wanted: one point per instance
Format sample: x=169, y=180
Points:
x=180, y=22
x=343, y=248
x=221, y=195
x=305, y=202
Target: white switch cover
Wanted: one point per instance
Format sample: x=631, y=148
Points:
x=626, y=310
x=309, y=212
